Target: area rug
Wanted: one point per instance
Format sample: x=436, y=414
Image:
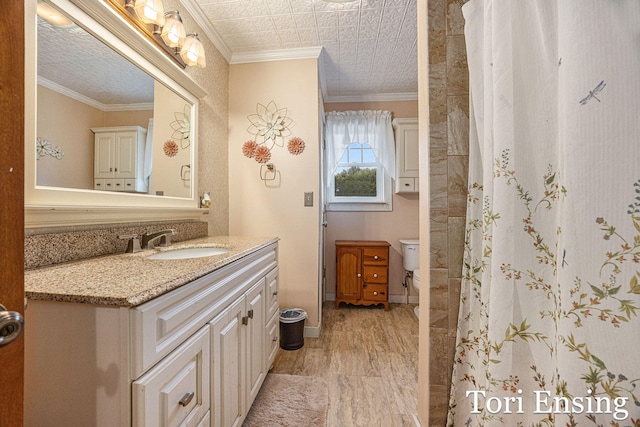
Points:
x=289, y=400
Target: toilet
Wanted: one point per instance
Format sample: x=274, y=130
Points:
x=411, y=263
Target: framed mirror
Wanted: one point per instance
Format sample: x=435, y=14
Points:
x=114, y=127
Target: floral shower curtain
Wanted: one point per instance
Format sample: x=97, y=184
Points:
x=549, y=326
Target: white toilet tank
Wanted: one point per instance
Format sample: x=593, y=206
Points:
x=410, y=254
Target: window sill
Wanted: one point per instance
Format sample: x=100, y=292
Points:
x=359, y=207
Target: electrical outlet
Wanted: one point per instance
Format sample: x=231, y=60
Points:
x=308, y=198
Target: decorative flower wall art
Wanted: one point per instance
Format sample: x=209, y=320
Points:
x=270, y=126
x=44, y=148
x=182, y=126
x=170, y=148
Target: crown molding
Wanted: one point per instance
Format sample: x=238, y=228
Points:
x=379, y=97
x=276, y=55
x=92, y=102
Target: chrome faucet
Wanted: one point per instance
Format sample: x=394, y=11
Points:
x=164, y=236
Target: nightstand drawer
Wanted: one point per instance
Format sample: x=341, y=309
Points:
x=375, y=256
x=375, y=274
x=374, y=292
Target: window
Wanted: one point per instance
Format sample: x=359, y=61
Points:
x=360, y=160
x=358, y=178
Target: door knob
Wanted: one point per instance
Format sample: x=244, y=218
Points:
x=11, y=325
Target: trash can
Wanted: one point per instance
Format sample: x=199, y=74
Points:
x=292, y=328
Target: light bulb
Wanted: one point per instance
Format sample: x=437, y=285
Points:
x=192, y=51
x=150, y=11
x=173, y=32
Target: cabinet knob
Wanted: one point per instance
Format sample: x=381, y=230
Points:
x=375, y=275
x=250, y=314
x=375, y=293
x=274, y=339
x=186, y=399
x=375, y=257
x=359, y=275
x=275, y=293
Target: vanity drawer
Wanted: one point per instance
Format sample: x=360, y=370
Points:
x=177, y=390
x=272, y=293
x=375, y=256
x=99, y=184
x=375, y=274
x=374, y=292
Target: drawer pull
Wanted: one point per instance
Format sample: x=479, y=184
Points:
x=375, y=275
x=274, y=339
x=186, y=399
x=274, y=293
x=375, y=293
x=245, y=320
x=250, y=314
x=375, y=257
x=359, y=275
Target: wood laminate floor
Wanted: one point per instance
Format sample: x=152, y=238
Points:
x=369, y=359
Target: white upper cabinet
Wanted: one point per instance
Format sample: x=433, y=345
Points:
x=407, y=155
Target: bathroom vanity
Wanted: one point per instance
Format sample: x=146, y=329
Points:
x=128, y=340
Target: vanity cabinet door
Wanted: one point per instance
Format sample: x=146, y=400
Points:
x=238, y=356
x=227, y=372
x=176, y=392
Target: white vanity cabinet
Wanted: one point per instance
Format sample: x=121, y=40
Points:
x=407, y=155
x=119, y=158
x=195, y=356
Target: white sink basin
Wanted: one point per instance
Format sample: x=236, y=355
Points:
x=187, y=253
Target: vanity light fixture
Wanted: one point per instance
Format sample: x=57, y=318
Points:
x=52, y=16
x=173, y=32
x=192, y=52
x=167, y=30
x=148, y=11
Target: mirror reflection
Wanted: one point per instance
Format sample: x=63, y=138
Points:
x=103, y=123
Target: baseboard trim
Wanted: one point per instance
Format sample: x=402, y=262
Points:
x=311, y=332
x=395, y=299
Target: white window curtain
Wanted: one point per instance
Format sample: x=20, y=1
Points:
x=363, y=127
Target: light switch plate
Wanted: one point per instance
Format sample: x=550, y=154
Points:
x=308, y=198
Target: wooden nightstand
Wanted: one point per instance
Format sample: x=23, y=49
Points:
x=362, y=272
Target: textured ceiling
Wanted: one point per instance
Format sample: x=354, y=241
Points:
x=369, y=46
x=75, y=62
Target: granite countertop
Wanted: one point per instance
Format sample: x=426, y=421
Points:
x=128, y=280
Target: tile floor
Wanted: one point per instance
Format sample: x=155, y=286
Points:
x=368, y=357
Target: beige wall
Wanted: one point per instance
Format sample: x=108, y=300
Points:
x=167, y=172
x=277, y=209
x=213, y=126
x=60, y=120
x=401, y=223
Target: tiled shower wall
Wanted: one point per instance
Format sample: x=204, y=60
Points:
x=449, y=164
